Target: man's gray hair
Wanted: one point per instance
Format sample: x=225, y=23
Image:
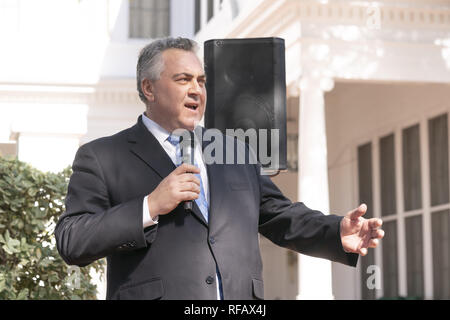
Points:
x=150, y=63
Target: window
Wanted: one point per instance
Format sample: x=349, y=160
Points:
x=441, y=249
x=388, y=208
x=390, y=264
x=412, y=183
x=387, y=176
x=149, y=18
x=198, y=15
x=438, y=141
x=209, y=12
x=365, y=195
x=210, y=9
x=414, y=256
x=440, y=221
x=412, y=164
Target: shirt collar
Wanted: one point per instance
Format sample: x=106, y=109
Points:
x=159, y=132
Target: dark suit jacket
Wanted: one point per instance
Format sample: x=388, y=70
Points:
x=176, y=259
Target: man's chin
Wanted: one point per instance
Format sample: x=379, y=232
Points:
x=190, y=125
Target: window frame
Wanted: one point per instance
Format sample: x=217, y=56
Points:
x=135, y=38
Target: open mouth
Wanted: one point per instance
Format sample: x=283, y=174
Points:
x=192, y=106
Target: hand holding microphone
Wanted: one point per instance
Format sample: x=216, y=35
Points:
x=179, y=186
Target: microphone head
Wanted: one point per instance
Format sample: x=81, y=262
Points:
x=187, y=146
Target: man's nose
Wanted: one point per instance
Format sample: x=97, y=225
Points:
x=195, y=88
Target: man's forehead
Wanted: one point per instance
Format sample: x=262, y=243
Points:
x=182, y=61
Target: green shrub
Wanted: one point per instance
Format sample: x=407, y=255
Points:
x=30, y=265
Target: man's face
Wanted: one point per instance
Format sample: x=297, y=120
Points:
x=179, y=96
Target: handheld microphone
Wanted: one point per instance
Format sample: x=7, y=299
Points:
x=187, y=155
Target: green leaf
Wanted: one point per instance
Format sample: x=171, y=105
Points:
x=14, y=245
x=7, y=249
x=24, y=262
x=45, y=262
x=23, y=294
x=38, y=253
x=53, y=277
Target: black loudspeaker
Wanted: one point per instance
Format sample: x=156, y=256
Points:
x=246, y=86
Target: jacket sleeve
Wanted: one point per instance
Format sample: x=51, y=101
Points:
x=90, y=228
x=299, y=228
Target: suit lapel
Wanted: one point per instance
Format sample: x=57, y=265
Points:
x=146, y=147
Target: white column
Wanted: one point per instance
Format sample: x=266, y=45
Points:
x=314, y=274
x=426, y=205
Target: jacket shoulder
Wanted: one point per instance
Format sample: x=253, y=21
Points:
x=105, y=143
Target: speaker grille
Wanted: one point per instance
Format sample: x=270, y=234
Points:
x=246, y=87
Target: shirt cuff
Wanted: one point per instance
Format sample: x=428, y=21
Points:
x=146, y=217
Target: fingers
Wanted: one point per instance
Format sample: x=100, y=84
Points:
x=180, y=185
x=373, y=243
x=363, y=251
x=190, y=187
x=358, y=212
x=186, y=168
x=375, y=223
x=377, y=234
x=188, y=177
x=188, y=195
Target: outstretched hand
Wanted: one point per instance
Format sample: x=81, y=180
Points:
x=358, y=234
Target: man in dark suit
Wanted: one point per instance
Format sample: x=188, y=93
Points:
x=125, y=202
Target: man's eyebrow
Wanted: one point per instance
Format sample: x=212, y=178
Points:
x=188, y=75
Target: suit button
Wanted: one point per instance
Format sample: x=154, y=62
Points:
x=209, y=280
x=212, y=240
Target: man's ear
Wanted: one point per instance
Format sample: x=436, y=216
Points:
x=147, y=89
